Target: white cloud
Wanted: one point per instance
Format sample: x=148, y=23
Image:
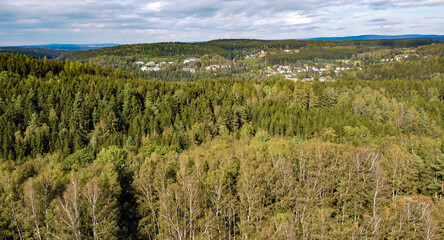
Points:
x=296, y=19
x=153, y=7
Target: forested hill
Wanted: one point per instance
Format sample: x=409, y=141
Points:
x=229, y=49
x=95, y=153
x=238, y=57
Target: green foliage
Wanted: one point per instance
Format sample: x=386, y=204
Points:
x=80, y=158
x=113, y=155
x=96, y=153
x=161, y=150
x=262, y=136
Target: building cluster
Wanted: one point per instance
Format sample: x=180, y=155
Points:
x=189, y=60
x=256, y=55
x=151, y=66
x=288, y=70
x=215, y=67
x=396, y=58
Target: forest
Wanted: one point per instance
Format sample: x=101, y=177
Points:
x=89, y=152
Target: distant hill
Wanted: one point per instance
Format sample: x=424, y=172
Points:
x=124, y=57
x=380, y=37
x=228, y=48
x=72, y=47
x=52, y=51
x=37, y=52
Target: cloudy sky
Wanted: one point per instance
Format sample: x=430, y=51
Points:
x=25, y=22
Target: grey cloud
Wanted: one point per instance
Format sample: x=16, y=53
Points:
x=382, y=4
x=377, y=20
x=184, y=20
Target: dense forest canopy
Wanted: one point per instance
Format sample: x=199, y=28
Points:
x=88, y=152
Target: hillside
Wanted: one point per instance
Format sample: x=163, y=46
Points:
x=249, y=59
x=84, y=148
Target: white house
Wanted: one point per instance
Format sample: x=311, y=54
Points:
x=191, y=59
x=145, y=68
x=213, y=67
x=189, y=69
x=151, y=63
x=139, y=62
x=307, y=79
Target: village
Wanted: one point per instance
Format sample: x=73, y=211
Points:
x=321, y=70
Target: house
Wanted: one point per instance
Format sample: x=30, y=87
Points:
x=307, y=79
x=162, y=63
x=213, y=67
x=139, y=62
x=189, y=70
x=191, y=59
x=151, y=63
x=145, y=68
x=286, y=68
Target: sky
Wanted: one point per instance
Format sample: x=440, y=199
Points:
x=28, y=22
